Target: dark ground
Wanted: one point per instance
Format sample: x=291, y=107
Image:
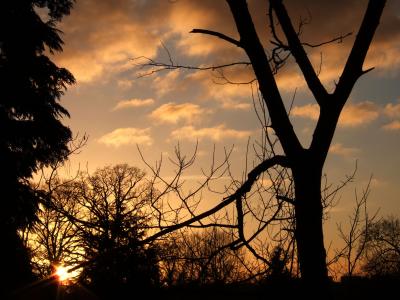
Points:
x=354, y=288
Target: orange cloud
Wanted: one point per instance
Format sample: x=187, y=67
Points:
x=228, y=95
x=392, y=110
x=395, y=125
x=309, y=111
x=167, y=83
x=101, y=36
x=289, y=80
x=341, y=150
x=352, y=114
x=358, y=114
x=384, y=56
x=124, y=83
x=173, y=113
x=214, y=133
x=187, y=15
x=127, y=136
x=133, y=103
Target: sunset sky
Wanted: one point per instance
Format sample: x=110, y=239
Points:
x=119, y=110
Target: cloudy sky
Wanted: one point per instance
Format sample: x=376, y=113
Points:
x=118, y=109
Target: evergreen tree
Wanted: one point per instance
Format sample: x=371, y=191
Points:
x=31, y=132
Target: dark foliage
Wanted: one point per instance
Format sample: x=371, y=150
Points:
x=31, y=134
x=278, y=270
x=382, y=248
x=200, y=259
x=113, y=220
x=116, y=272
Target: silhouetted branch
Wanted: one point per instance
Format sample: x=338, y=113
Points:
x=298, y=52
x=338, y=39
x=160, y=66
x=353, y=68
x=240, y=192
x=356, y=236
x=219, y=35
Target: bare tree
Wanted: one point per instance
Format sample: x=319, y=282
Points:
x=53, y=239
x=267, y=204
x=94, y=223
x=202, y=257
x=382, y=247
x=347, y=260
x=113, y=218
x=305, y=165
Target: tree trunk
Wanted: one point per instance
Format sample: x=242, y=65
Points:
x=309, y=213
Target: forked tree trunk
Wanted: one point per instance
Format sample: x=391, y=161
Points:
x=306, y=164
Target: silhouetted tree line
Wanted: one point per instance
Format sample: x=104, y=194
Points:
x=118, y=228
x=99, y=222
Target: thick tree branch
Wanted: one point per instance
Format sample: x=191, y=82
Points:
x=353, y=68
x=329, y=115
x=240, y=192
x=286, y=199
x=246, y=242
x=251, y=44
x=217, y=34
x=299, y=53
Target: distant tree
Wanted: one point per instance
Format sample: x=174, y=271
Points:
x=100, y=220
x=201, y=258
x=53, y=239
x=382, y=248
x=278, y=270
x=32, y=134
x=347, y=260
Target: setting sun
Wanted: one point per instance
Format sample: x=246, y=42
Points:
x=62, y=273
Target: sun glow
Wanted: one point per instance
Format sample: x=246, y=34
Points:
x=62, y=273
